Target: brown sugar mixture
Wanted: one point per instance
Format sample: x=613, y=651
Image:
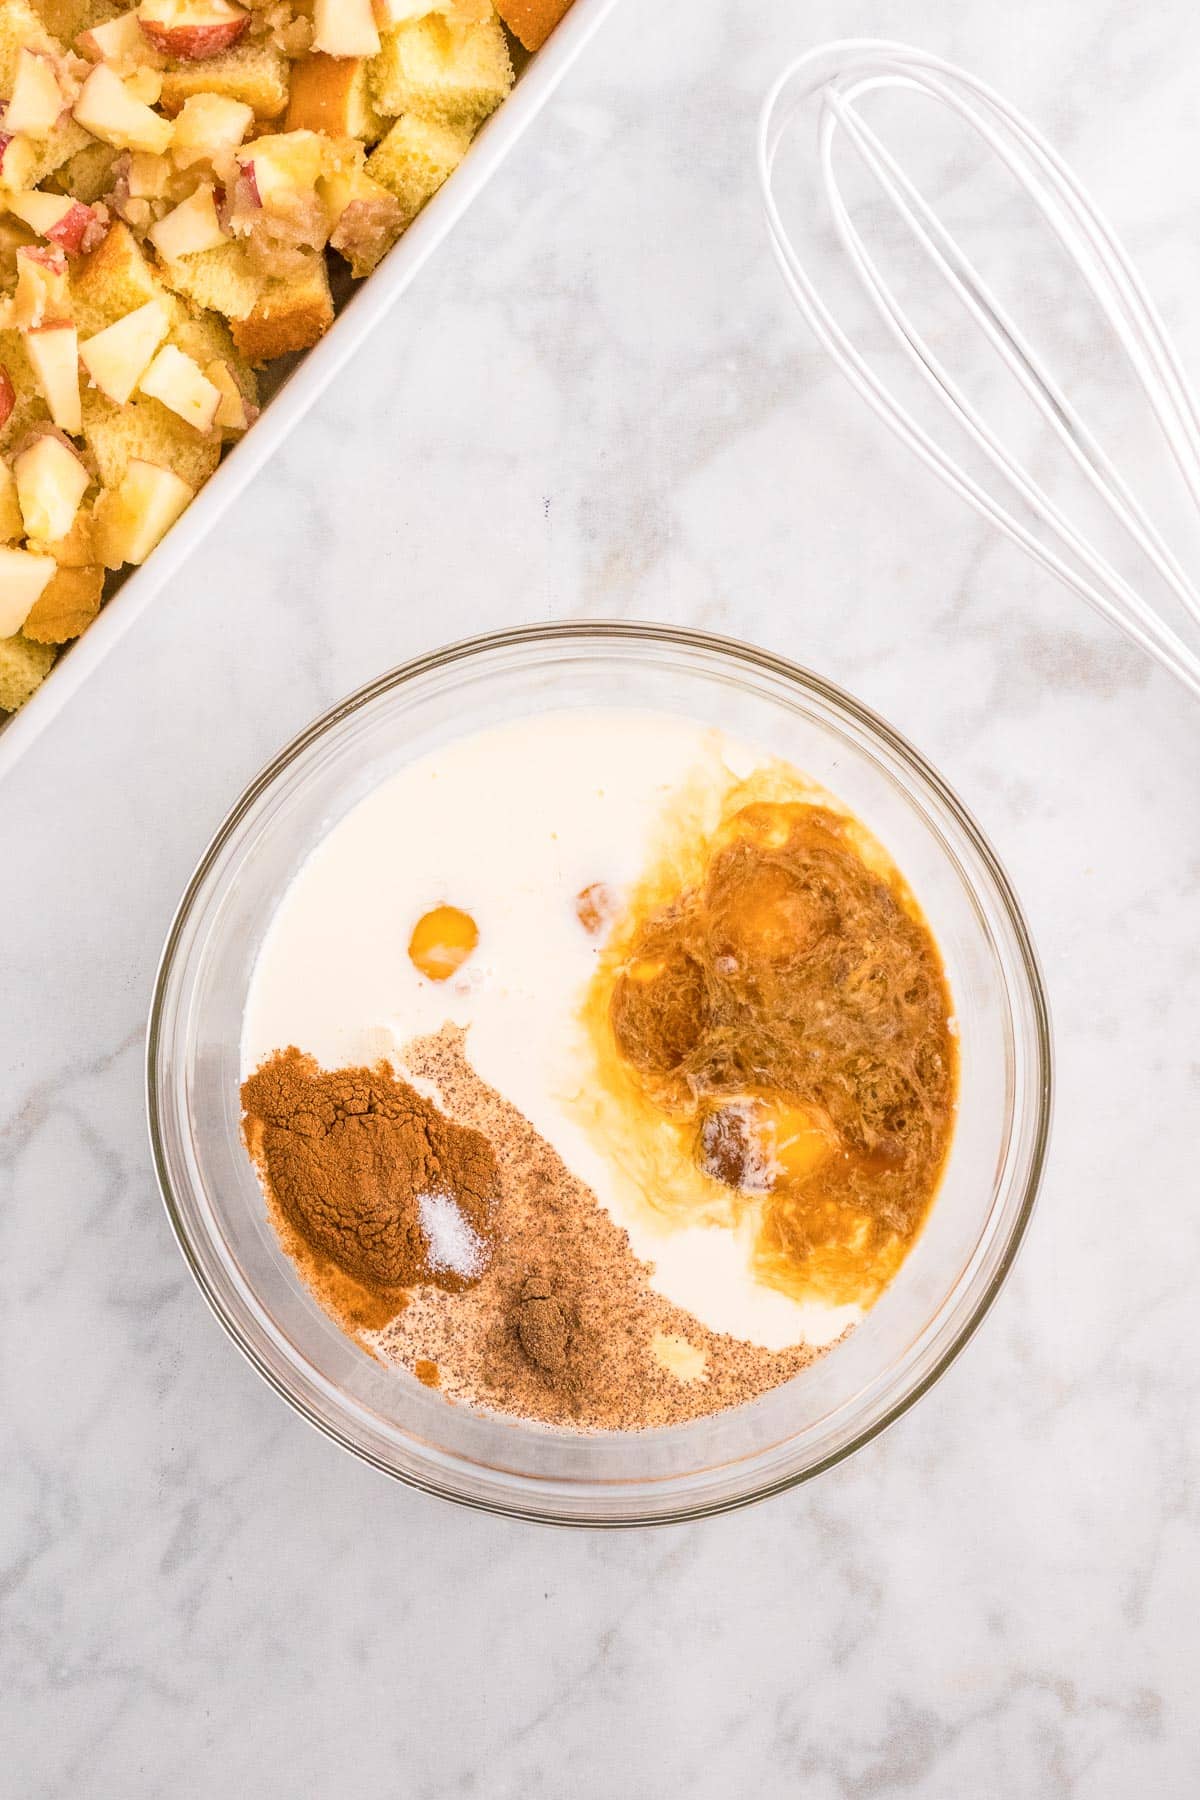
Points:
x=784, y=1010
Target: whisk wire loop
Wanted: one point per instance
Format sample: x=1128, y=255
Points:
x=838, y=76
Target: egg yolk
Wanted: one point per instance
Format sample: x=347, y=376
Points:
x=441, y=942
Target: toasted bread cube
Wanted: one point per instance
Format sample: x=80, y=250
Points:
x=23, y=668
x=415, y=158
x=87, y=173
x=289, y=315
x=132, y=518
x=368, y=220
x=66, y=606
x=65, y=141
x=21, y=29
x=223, y=279
x=455, y=73
x=255, y=73
x=332, y=94
x=78, y=549
x=145, y=429
x=23, y=576
x=114, y=280
x=532, y=21
x=12, y=524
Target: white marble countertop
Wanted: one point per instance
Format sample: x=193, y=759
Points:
x=597, y=402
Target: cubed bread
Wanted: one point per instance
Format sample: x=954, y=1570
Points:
x=289, y=315
x=65, y=141
x=223, y=279
x=114, y=280
x=78, y=548
x=21, y=29
x=146, y=429
x=67, y=18
x=66, y=607
x=457, y=74
x=532, y=21
x=87, y=174
x=24, y=666
x=332, y=94
x=29, y=407
x=253, y=72
x=415, y=158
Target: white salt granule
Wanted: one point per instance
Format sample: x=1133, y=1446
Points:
x=451, y=1243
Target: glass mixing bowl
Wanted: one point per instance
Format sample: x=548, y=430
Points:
x=957, y=1264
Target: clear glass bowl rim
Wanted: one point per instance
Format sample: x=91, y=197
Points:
x=723, y=648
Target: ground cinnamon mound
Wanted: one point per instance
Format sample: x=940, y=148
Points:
x=347, y=1155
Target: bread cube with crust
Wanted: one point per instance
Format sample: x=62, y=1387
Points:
x=78, y=549
x=145, y=429
x=66, y=606
x=532, y=21
x=415, y=158
x=114, y=280
x=253, y=72
x=457, y=74
x=12, y=520
x=333, y=94
x=24, y=666
x=368, y=220
x=289, y=315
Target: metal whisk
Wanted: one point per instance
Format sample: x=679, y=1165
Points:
x=834, y=79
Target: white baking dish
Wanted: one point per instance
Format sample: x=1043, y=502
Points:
x=370, y=300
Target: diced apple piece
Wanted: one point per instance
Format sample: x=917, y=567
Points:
x=191, y=227
x=180, y=383
x=18, y=160
x=284, y=162
x=111, y=113
x=345, y=28
x=232, y=413
x=37, y=100
x=8, y=396
x=121, y=42
x=12, y=525
x=131, y=519
x=149, y=176
x=192, y=30
x=53, y=352
x=207, y=125
x=51, y=481
x=144, y=84
x=65, y=222
x=43, y=295
x=23, y=577
x=117, y=357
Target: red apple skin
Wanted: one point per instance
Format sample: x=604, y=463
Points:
x=77, y=230
x=8, y=396
x=194, y=43
x=50, y=257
